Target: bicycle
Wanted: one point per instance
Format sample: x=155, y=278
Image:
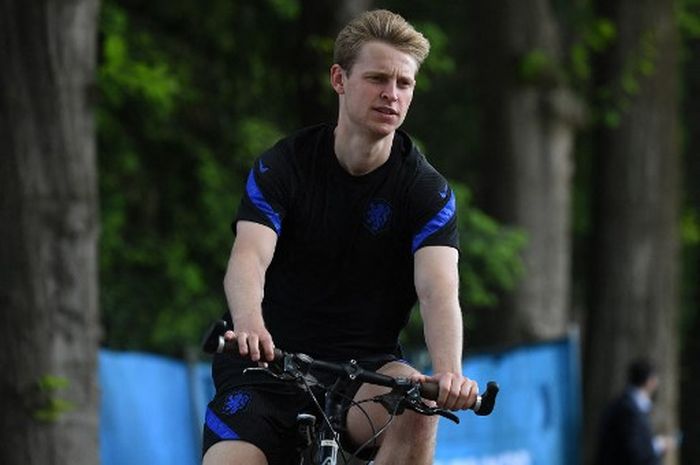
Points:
x=320, y=439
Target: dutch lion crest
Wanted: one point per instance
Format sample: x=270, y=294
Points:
x=377, y=216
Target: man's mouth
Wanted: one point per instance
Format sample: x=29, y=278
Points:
x=387, y=111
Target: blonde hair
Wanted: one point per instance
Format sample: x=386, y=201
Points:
x=383, y=26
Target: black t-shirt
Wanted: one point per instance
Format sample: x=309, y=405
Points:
x=340, y=284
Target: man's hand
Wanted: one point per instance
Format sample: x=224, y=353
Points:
x=457, y=392
x=254, y=340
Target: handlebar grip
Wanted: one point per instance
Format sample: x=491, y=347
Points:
x=214, y=342
x=487, y=400
x=429, y=390
x=211, y=340
x=231, y=347
x=484, y=403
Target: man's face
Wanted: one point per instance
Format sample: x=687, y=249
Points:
x=652, y=385
x=377, y=92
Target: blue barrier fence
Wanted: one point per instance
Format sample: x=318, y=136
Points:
x=537, y=416
x=152, y=409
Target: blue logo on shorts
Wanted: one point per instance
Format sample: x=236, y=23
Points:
x=236, y=402
x=377, y=216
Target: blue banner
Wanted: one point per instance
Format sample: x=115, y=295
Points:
x=537, y=416
x=149, y=415
x=153, y=407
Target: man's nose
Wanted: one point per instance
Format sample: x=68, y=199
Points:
x=390, y=91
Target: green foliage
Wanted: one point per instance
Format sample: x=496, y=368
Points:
x=613, y=98
x=287, y=9
x=167, y=195
x=688, y=14
x=489, y=257
x=596, y=35
x=146, y=77
x=48, y=407
x=690, y=259
x=690, y=228
x=189, y=97
x=439, y=61
x=537, y=67
x=256, y=135
x=639, y=64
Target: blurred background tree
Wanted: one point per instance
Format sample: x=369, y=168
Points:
x=49, y=228
x=634, y=286
x=689, y=20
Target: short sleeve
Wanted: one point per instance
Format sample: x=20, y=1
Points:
x=267, y=191
x=434, y=213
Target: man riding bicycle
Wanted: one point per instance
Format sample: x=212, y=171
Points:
x=341, y=229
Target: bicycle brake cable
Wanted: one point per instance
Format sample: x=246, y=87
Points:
x=326, y=420
x=377, y=433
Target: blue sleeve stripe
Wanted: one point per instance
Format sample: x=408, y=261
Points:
x=219, y=428
x=438, y=221
x=259, y=201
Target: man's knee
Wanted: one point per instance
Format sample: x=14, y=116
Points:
x=415, y=426
x=234, y=453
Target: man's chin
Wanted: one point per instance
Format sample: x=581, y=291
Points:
x=382, y=130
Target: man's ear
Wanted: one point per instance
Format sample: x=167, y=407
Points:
x=337, y=77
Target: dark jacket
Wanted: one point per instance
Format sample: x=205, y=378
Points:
x=626, y=436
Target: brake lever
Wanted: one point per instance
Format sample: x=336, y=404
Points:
x=446, y=414
x=421, y=407
x=289, y=368
x=397, y=401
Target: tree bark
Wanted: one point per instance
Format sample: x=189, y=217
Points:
x=48, y=233
x=320, y=20
x=635, y=293
x=528, y=125
x=690, y=365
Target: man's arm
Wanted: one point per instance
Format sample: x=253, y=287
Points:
x=244, y=285
x=437, y=284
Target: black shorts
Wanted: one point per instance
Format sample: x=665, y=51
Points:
x=265, y=414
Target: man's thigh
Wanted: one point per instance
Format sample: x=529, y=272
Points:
x=363, y=421
x=234, y=453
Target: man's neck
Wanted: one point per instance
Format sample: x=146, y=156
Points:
x=360, y=153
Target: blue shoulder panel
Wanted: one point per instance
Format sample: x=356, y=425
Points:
x=256, y=196
x=438, y=221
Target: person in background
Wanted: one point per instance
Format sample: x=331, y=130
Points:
x=626, y=433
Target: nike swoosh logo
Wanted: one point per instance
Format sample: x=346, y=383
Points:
x=443, y=193
x=262, y=167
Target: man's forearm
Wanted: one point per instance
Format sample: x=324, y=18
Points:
x=244, y=286
x=442, y=327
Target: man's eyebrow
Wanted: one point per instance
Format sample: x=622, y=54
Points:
x=380, y=73
x=376, y=72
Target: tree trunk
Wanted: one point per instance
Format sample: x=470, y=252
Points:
x=690, y=368
x=529, y=124
x=48, y=233
x=634, y=294
x=320, y=21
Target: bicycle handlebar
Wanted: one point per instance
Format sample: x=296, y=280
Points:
x=214, y=342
